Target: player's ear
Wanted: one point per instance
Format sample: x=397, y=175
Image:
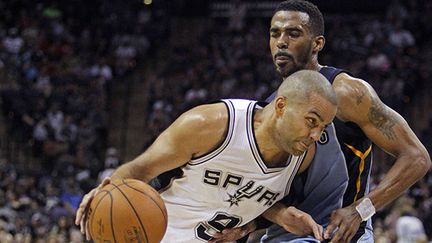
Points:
x=318, y=44
x=280, y=103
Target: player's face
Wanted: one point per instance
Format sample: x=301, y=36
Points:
x=290, y=41
x=302, y=123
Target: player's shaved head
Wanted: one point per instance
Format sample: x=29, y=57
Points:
x=301, y=84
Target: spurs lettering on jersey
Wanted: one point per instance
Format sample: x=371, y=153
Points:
x=245, y=192
x=229, y=186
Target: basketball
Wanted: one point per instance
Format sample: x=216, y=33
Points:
x=127, y=211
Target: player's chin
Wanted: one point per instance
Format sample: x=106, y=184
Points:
x=285, y=70
x=297, y=151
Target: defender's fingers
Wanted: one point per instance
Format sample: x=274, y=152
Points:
x=334, y=224
x=350, y=234
x=339, y=236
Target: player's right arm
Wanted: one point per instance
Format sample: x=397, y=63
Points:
x=194, y=133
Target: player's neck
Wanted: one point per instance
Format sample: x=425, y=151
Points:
x=313, y=64
x=271, y=153
x=275, y=158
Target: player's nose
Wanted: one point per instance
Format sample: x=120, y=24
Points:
x=315, y=134
x=282, y=42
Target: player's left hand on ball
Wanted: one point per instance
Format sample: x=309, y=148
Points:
x=81, y=214
x=343, y=225
x=233, y=234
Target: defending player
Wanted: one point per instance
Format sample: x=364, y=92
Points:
x=296, y=38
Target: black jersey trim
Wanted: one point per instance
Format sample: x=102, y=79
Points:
x=331, y=72
x=299, y=162
x=171, y=181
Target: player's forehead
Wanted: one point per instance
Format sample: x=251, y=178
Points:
x=289, y=19
x=321, y=108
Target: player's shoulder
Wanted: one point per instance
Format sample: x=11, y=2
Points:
x=348, y=87
x=355, y=97
x=209, y=109
x=205, y=116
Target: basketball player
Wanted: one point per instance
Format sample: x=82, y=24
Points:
x=296, y=38
x=238, y=158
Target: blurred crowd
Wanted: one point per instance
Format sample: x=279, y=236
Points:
x=58, y=63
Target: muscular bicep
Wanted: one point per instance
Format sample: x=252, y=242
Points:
x=187, y=137
x=164, y=154
x=387, y=129
x=359, y=103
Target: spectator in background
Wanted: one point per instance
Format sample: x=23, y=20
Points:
x=237, y=15
x=400, y=37
x=406, y=226
x=48, y=57
x=112, y=161
x=410, y=229
x=378, y=61
x=13, y=42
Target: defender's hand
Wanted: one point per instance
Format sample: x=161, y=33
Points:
x=233, y=234
x=81, y=214
x=344, y=224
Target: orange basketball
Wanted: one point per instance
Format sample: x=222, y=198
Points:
x=127, y=211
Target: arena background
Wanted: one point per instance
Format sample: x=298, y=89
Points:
x=87, y=85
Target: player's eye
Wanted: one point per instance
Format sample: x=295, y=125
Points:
x=274, y=33
x=310, y=122
x=295, y=33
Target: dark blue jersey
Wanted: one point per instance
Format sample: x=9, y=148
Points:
x=357, y=149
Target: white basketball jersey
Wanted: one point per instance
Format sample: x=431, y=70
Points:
x=227, y=187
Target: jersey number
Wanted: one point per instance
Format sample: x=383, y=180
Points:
x=324, y=138
x=219, y=222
